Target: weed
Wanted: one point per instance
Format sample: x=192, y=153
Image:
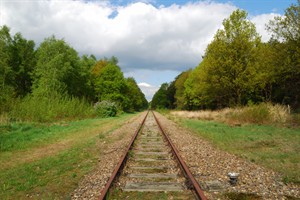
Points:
x=130, y=154
x=101, y=136
x=53, y=108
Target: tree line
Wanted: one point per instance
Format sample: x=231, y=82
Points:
x=54, y=70
x=238, y=68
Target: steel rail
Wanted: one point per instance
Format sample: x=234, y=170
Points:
x=198, y=191
x=121, y=163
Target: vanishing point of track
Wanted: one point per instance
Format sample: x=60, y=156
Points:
x=152, y=165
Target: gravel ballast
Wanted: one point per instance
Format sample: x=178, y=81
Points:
x=110, y=152
x=211, y=166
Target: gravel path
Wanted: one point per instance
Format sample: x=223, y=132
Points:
x=111, y=149
x=211, y=166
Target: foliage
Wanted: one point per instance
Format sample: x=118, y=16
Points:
x=180, y=88
x=286, y=40
x=22, y=61
x=37, y=108
x=110, y=84
x=171, y=90
x=238, y=69
x=53, y=82
x=5, y=68
x=106, y=108
x=226, y=76
x=57, y=69
x=85, y=68
x=17, y=59
x=160, y=99
x=257, y=114
x=138, y=99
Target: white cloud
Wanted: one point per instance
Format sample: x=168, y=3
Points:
x=144, y=85
x=140, y=35
x=143, y=37
x=148, y=90
x=260, y=22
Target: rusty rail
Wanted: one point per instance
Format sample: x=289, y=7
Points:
x=198, y=191
x=121, y=162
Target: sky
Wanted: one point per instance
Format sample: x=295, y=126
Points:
x=154, y=40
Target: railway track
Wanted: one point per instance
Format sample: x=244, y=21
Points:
x=151, y=168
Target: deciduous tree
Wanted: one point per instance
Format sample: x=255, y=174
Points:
x=286, y=36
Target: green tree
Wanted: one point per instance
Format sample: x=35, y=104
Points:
x=286, y=37
x=198, y=93
x=23, y=62
x=57, y=69
x=5, y=43
x=180, y=88
x=266, y=76
x=171, y=90
x=86, y=65
x=226, y=76
x=138, y=100
x=6, y=71
x=160, y=98
x=110, y=84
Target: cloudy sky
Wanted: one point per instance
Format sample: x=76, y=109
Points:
x=154, y=40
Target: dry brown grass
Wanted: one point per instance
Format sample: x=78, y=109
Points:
x=264, y=113
x=4, y=119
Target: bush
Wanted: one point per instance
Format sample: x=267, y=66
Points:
x=263, y=113
x=106, y=108
x=256, y=114
x=6, y=99
x=51, y=108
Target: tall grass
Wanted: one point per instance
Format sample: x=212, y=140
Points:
x=51, y=108
x=4, y=118
x=264, y=113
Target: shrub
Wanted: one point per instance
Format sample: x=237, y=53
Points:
x=263, y=113
x=257, y=114
x=106, y=108
x=6, y=99
x=50, y=108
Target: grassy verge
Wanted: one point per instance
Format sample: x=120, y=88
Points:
x=263, y=114
x=273, y=147
x=47, y=161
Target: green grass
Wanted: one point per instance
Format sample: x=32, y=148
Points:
x=272, y=147
x=51, y=174
x=20, y=136
x=51, y=177
x=40, y=108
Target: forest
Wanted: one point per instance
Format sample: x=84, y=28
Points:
x=52, y=82
x=239, y=69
